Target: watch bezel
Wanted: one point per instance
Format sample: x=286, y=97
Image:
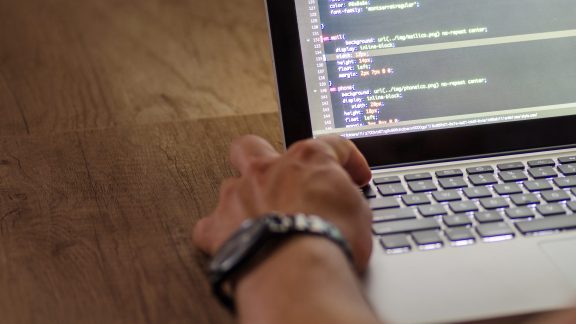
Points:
x=238, y=246
x=225, y=268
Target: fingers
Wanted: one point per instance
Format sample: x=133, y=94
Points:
x=201, y=235
x=250, y=148
x=350, y=158
x=343, y=151
x=206, y=232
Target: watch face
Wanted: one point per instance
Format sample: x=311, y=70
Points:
x=238, y=245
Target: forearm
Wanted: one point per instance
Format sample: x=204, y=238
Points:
x=307, y=280
x=562, y=317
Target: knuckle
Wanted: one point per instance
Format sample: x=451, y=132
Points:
x=228, y=187
x=257, y=166
x=308, y=149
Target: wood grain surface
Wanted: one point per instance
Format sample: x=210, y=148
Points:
x=85, y=64
x=95, y=226
x=113, y=144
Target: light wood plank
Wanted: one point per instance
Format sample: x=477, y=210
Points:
x=76, y=65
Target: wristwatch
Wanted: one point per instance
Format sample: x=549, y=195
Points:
x=258, y=238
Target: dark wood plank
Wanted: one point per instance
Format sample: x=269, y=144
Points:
x=12, y=118
x=95, y=227
x=74, y=65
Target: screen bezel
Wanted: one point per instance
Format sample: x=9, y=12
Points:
x=401, y=149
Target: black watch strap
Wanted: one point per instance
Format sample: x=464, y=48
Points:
x=257, y=239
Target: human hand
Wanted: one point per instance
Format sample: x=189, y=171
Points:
x=318, y=177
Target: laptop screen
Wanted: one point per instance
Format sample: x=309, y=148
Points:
x=382, y=67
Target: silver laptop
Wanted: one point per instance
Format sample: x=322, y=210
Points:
x=466, y=111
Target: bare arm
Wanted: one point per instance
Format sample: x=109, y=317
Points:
x=563, y=317
x=308, y=279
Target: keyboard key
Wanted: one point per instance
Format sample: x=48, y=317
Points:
x=477, y=192
x=405, y=226
x=551, y=210
x=538, y=185
x=547, y=224
x=572, y=206
x=543, y=172
x=391, y=189
x=457, y=220
x=494, y=230
x=513, y=176
x=386, y=215
x=555, y=196
x=566, y=182
x=427, y=238
x=567, y=159
x=524, y=199
x=480, y=169
x=449, y=173
x=488, y=217
x=432, y=210
x=383, y=203
x=417, y=199
x=541, y=163
x=394, y=242
x=452, y=183
x=568, y=169
x=482, y=179
x=446, y=195
x=368, y=192
x=519, y=212
x=507, y=189
x=510, y=166
x=494, y=203
x=418, y=176
x=573, y=191
x=386, y=180
x=463, y=206
x=459, y=234
x=422, y=186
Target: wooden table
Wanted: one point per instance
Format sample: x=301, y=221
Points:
x=115, y=118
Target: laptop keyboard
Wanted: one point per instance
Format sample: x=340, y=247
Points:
x=457, y=207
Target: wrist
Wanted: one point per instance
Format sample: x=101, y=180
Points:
x=305, y=273
x=299, y=254
x=256, y=240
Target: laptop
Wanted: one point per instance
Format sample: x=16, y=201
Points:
x=466, y=113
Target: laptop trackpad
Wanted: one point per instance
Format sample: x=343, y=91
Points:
x=561, y=253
